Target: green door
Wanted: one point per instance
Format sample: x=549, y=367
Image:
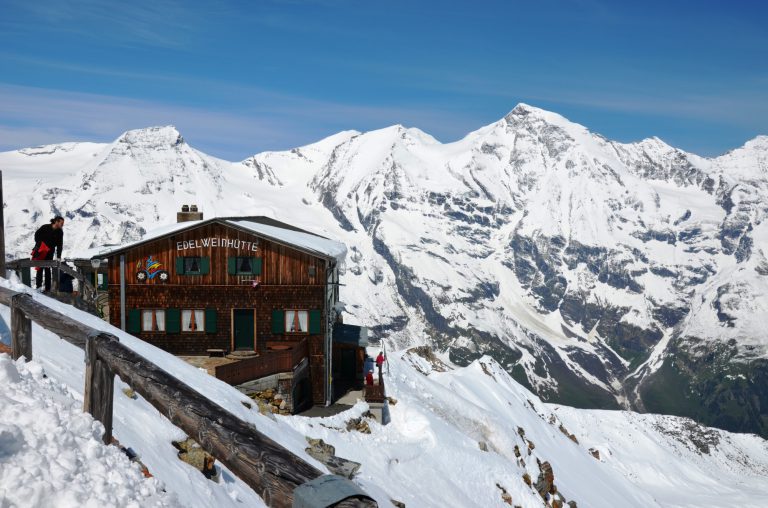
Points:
x=243, y=329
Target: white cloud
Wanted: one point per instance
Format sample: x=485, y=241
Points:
x=263, y=121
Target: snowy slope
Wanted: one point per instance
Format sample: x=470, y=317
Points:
x=595, y=272
x=51, y=452
x=454, y=440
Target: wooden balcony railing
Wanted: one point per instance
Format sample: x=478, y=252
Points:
x=267, y=364
x=375, y=392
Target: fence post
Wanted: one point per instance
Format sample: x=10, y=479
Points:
x=25, y=275
x=55, y=274
x=3, y=273
x=99, y=384
x=21, y=330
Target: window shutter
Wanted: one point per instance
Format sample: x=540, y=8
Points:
x=232, y=266
x=315, y=322
x=180, y=265
x=172, y=320
x=278, y=322
x=256, y=264
x=205, y=265
x=210, y=320
x=134, y=321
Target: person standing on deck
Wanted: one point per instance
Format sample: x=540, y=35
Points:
x=379, y=362
x=49, y=240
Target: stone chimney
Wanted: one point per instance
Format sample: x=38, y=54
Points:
x=188, y=213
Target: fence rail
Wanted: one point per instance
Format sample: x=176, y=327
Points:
x=86, y=288
x=374, y=393
x=271, y=470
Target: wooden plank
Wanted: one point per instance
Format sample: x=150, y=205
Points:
x=65, y=327
x=21, y=328
x=99, y=385
x=271, y=470
x=2, y=230
x=374, y=393
x=85, y=283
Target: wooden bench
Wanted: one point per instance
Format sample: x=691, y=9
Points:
x=216, y=352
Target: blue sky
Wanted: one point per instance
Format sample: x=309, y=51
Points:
x=240, y=77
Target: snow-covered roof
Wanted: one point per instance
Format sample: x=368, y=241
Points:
x=305, y=241
x=279, y=232
x=105, y=250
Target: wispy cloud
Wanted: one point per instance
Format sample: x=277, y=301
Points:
x=267, y=121
x=136, y=23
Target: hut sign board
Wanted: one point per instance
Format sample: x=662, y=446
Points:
x=222, y=243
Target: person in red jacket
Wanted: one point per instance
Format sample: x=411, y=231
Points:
x=379, y=362
x=48, y=241
x=369, y=378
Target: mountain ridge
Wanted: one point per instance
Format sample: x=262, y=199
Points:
x=573, y=260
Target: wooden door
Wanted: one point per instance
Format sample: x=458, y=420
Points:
x=243, y=329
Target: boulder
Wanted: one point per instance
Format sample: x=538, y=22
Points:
x=545, y=483
x=325, y=453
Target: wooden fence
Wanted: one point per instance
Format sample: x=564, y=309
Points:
x=271, y=470
x=374, y=393
x=87, y=289
x=269, y=363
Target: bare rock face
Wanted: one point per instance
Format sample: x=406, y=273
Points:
x=545, y=483
x=505, y=496
x=325, y=453
x=435, y=363
x=191, y=453
x=360, y=424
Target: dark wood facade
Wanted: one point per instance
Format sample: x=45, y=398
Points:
x=286, y=287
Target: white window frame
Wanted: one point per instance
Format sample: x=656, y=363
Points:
x=290, y=319
x=147, y=314
x=186, y=317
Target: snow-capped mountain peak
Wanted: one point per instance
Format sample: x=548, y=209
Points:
x=593, y=270
x=152, y=137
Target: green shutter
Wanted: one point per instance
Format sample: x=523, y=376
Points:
x=172, y=320
x=256, y=264
x=134, y=321
x=232, y=266
x=315, y=322
x=180, y=265
x=210, y=320
x=205, y=265
x=278, y=322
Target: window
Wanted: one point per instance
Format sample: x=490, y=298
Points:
x=244, y=266
x=296, y=321
x=152, y=320
x=192, y=265
x=192, y=320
